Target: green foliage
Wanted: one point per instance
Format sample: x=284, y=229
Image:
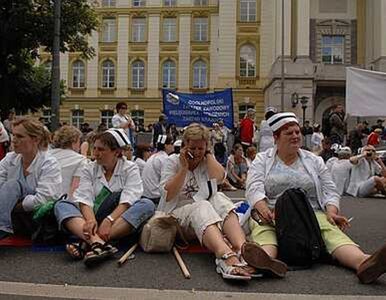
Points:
x=25, y=25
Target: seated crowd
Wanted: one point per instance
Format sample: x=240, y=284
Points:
x=107, y=193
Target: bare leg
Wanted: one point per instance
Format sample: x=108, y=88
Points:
x=214, y=241
x=120, y=229
x=271, y=250
x=349, y=256
x=233, y=231
x=75, y=226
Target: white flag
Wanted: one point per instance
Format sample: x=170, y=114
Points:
x=365, y=93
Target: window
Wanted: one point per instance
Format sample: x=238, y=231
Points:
x=138, y=75
x=247, y=61
x=78, y=74
x=169, y=74
x=108, y=74
x=170, y=2
x=138, y=116
x=108, y=30
x=108, y=3
x=332, y=49
x=200, y=2
x=106, y=117
x=77, y=117
x=139, y=30
x=199, y=75
x=169, y=30
x=243, y=108
x=46, y=116
x=248, y=10
x=201, y=29
x=138, y=3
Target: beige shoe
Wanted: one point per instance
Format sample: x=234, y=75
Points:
x=373, y=267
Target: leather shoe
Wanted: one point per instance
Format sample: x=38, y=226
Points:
x=373, y=267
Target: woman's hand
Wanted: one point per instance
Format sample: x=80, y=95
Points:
x=338, y=220
x=105, y=229
x=265, y=215
x=184, y=158
x=90, y=228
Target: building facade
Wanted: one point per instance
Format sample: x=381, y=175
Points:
x=142, y=46
x=321, y=39
x=200, y=46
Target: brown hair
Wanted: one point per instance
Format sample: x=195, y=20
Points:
x=65, y=136
x=108, y=140
x=141, y=149
x=35, y=129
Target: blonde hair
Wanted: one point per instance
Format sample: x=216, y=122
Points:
x=65, y=136
x=35, y=129
x=196, y=131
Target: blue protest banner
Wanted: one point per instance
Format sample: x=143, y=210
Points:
x=183, y=109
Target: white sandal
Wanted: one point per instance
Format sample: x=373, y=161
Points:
x=226, y=270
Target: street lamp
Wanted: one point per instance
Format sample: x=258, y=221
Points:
x=304, y=101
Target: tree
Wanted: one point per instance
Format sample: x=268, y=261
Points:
x=26, y=25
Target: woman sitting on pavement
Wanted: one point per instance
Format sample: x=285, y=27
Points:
x=340, y=168
x=66, y=143
x=142, y=154
x=107, y=205
x=29, y=177
x=287, y=166
x=368, y=174
x=151, y=175
x=87, y=147
x=237, y=167
x=250, y=155
x=189, y=191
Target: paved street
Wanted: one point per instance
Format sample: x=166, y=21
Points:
x=160, y=271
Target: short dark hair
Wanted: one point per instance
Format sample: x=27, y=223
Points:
x=120, y=105
x=169, y=140
x=141, y=149
x=108, y=140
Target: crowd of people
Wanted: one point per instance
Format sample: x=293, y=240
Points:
x=103, y=186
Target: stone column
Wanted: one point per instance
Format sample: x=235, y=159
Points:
x=153, y=56
x=303, y=29
x=122, y=56
x=92, y=68
x=184, y=53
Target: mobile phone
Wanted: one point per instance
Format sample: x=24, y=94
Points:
x=190, y=155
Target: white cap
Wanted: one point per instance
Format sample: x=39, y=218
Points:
x=271, y=108
x=120, y=136
x=177, y=143
x=280, y=119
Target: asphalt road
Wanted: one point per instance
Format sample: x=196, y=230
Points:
x=160, y=271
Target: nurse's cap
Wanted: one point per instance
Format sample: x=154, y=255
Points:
x=162, y=138
x=120, y=136
x=280, y=119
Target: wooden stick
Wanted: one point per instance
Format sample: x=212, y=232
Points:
x=181, y=263
x=125, y=256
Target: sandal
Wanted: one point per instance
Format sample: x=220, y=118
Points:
x=228, y=271
x=99, y=252
x=77, y=250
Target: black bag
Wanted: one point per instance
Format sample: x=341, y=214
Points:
x=300, y=242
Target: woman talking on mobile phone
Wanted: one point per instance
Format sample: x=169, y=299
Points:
x=189, y=191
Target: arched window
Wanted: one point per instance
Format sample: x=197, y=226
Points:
x=169, y=74
x=78, y=74
x=199, y=75
x=247, y=61
x=108, y=74
x=138, y=75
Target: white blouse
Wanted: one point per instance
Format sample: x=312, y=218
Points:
x=151, y=175
x=125, y=179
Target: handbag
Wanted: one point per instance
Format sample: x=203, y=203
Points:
x=159, y=233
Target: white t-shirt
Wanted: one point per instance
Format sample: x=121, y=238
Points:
x=118, y=121
x=151, y=175
x=125, y=179
x=316, y=141
x=360, y=173
x=340, y=173
x=71, y=164
x=141, y=164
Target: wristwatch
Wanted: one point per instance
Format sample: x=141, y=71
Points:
x=110, y=218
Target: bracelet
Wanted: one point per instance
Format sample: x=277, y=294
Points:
x=110, y=218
